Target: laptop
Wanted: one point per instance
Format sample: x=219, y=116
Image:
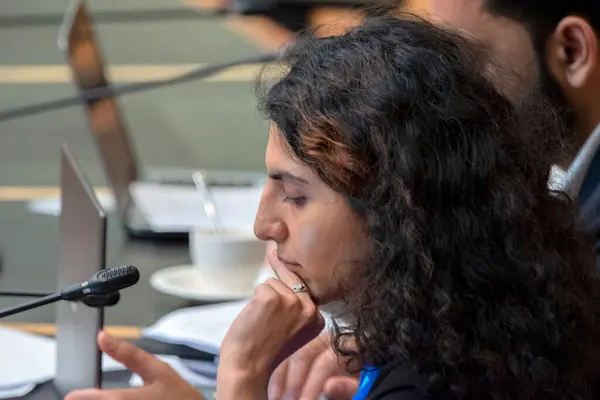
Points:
x=82, y=246
x=78, y=40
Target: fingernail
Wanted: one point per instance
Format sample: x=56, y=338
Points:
x=109, y=342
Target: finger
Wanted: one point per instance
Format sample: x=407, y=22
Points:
x=298, y=367
x=309, y=310
x=277, y=383
x=341, y=388
x=113, y=394
x=285, y=275
x=324, y=367
x=298, y=370
x=286, y=292
x=87, y=394
x=281, y=288
x=136, y=360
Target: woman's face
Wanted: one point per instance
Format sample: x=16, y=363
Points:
x=316, y=233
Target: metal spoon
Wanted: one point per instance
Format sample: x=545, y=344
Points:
x=209, y=205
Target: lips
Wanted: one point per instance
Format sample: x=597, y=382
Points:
x=287, y=262
x=274, y=257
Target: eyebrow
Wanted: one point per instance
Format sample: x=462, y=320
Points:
x=285, y=175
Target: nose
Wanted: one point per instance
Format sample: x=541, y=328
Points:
x=269, y=225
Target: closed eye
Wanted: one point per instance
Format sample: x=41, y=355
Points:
x=298, y=200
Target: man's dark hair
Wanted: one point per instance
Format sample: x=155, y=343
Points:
x=542, y=16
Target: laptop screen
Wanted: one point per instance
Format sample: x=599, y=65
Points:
x=84, y=56
x=82, y=244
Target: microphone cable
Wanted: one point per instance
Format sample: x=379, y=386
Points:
x=97, y=93
x=94, y=301
x=23, y=293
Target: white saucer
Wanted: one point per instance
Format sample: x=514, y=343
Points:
x=187, y=282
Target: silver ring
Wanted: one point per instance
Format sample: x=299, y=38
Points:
x=299, y=288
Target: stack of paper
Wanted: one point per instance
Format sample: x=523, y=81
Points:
x=27, y=360
x=202, y=328
x=177, y=208
x=194, y=378
x=171, y=208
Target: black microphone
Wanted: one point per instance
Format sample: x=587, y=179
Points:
x=102, y=283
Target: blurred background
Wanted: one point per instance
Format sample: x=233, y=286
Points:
x=210, y=123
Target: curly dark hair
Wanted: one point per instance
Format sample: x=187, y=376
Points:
x=477, y=277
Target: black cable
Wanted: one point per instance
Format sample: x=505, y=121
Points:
x=97, y=93
x=23, y=293
x=96, y=301
x=52, y=298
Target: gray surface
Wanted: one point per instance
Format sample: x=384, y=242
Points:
x=207, y=124
x=199, y=124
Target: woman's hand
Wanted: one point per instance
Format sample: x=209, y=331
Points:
x=313, y=370
x=274, y=324
x=160, y=380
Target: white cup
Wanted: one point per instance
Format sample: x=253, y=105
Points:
x=229, y=260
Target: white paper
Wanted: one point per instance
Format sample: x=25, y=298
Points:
x=31, y=359
x=206, y=368
x=178, y=208
x=51, y=205
x=202, y=328
x=25, y=358
x=194, y=379
x=16, y=391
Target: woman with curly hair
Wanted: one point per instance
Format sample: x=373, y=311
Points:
x=403, y=184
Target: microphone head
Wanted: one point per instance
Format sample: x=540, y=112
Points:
x=113, y=279
x=103, y=282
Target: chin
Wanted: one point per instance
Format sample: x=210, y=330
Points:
x=329, y=301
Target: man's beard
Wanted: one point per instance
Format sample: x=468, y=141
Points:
x=551, y=91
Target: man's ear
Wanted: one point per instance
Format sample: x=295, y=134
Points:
x=572, y=51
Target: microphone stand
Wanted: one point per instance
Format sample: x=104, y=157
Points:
x=52, y=298
x=22, y=293
x=94, y=301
